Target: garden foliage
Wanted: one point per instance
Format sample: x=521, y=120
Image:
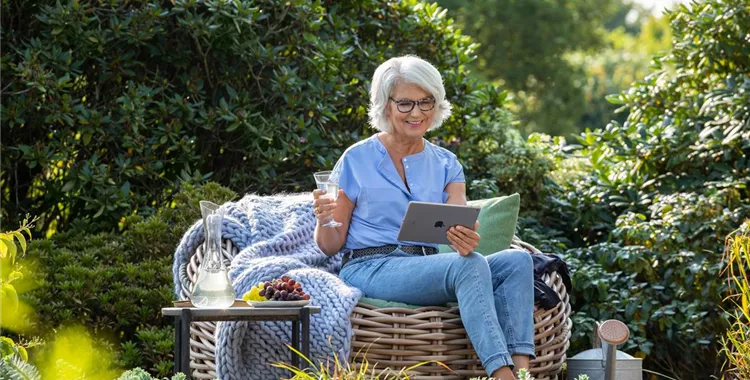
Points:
x=110, y=108
x=109, y=105
x=652, y=199
x=117, y=284
x=736, y=342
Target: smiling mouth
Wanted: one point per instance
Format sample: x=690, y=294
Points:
x=414, y=123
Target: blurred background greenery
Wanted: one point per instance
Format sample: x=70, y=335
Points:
x=626, y=131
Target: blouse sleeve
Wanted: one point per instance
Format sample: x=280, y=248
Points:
x=344, y=173
x=454, y=171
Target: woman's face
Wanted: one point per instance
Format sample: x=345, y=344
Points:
x=412, y=124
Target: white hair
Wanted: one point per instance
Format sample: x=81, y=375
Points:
x=406, y=69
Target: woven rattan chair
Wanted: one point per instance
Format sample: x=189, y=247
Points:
x=399, y=337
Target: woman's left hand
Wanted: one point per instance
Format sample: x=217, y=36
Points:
x=464, y=240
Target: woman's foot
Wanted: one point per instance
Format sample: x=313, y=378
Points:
x=503, y=373
x=520, y=362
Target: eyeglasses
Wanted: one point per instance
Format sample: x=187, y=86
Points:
x=405, y=106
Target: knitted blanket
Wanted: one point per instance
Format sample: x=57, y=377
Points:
x=275, y=237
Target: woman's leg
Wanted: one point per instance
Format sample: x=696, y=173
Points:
x=513, y=287
x=436, y=280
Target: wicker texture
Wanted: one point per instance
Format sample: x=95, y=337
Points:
x=398, y=338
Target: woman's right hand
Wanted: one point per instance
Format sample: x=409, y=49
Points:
x=323, y=205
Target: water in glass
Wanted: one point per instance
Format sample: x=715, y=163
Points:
x=327, y=182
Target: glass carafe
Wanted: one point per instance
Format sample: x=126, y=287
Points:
x=212, y=288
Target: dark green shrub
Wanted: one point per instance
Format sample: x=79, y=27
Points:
x=108, y=106
x=116, y=284
x=495, y=157
x=650, y=201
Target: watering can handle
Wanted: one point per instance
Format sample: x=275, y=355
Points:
x=611, y=334
x=597, y=341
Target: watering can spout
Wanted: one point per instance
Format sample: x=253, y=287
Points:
x=612, y=333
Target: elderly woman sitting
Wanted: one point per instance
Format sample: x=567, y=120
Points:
x=378, y=177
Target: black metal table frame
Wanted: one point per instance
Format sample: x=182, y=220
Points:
x=185, y=316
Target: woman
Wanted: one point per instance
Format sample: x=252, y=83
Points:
x=378, y=177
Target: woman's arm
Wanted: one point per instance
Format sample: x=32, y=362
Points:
x=456, y=193
x=463, y=240
x=330, y=240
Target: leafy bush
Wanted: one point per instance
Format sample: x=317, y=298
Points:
x=14, y=280
x=735, y=343
x=109, y=105
x=645, y=215
x=140, y=374
x=496, y=159
x=117, y=284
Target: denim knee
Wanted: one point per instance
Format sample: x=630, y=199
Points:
x=475, y=261
x=522, y=260
x=470, y=269
x=511, y=261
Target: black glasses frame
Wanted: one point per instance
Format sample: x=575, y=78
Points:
x=399, y=103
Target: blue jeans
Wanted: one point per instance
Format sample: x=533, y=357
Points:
x=495, y=294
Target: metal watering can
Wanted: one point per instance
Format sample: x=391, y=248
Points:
x=604, y=362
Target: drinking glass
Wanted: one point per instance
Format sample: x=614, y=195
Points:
x=326, y=182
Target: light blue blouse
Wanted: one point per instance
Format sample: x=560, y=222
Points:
x=369, y=178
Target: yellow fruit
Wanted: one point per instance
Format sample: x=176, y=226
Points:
x=252, y=295
x=246, y=296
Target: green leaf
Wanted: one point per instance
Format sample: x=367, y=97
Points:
x=309, y=37
x=68, y=186
x=8, y=247
x=14, y=367
x=15, y=275
x=614, y=99
x=22, y=353
x=21, y=239
x=125, y=188
x=232, y=93
x=9, y=299
x=6, y=346
x=63, y=79
x=233, y=126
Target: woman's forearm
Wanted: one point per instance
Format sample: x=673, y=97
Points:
x=328, y=239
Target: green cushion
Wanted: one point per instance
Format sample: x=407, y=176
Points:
x=497, y=223
x=382, y=304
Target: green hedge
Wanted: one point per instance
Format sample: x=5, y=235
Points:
x=115, y=285
x=644, y=206
x=107, y=107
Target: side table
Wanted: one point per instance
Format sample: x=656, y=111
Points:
x=183, y=316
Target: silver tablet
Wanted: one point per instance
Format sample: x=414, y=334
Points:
x=428, y=222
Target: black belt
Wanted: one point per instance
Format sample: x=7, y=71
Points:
x=387, y=249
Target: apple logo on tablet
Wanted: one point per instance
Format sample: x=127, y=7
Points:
x=439, y=224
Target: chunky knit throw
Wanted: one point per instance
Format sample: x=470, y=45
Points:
x=275, y=237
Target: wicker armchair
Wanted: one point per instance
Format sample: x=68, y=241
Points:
x=398, y=338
